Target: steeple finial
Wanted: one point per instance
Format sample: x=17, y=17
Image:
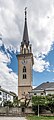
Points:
x=25, y=13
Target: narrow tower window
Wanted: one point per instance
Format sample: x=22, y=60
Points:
x=24, y=76
x=24, y=51
x=24, y=72
x=24, y=69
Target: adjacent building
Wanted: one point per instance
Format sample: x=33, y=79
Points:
x=44, y=89
x=5, y=96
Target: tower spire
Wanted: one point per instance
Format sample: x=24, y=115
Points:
x=25, y=34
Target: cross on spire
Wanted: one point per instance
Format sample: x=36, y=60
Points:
x=25, y=13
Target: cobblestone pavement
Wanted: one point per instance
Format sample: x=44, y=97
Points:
x=12, y=118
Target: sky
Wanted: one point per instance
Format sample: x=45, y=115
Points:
x=40, y=21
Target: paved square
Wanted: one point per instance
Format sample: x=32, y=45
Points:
x=12, y=118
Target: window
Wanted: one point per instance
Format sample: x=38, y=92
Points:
x=24, y=76
x=8, y=96
x=35, y=94
x=24, y=51
x=41, y=93
x=24, y=69
x=0, y=92
x=24, y=72
x=4, y=95
x=23, y=109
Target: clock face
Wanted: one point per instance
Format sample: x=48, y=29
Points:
x=24, y=62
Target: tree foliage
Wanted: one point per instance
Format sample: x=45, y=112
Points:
x=44, y=102
x=8, y=103
x=38, y=100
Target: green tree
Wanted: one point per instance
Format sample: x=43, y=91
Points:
x=50, y=102
x=16, y=101
x=38, y=100
x=44, y=102
x=8, y=103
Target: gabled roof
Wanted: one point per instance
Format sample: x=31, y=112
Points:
x=3, y=90
x=45, y=86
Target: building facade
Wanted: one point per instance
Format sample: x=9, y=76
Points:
x=25, y=63
x=5, y=96
x=44, y=89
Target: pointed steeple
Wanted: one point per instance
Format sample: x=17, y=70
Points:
x=25, y=47
x=25, y=34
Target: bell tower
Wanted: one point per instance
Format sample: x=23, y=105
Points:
x=25, y=63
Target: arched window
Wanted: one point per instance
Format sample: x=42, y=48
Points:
x=24, y=51
x=24, y=72
x=24, y=76
x=24, y=69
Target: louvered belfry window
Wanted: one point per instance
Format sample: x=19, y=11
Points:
x=24, y=72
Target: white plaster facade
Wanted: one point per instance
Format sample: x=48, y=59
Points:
x=5, y=96
x=44, y=89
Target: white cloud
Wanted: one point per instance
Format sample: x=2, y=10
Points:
x=40, y=65
x=40, y=25
x=8, y=79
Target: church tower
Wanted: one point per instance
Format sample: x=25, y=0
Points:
x=25, y=63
